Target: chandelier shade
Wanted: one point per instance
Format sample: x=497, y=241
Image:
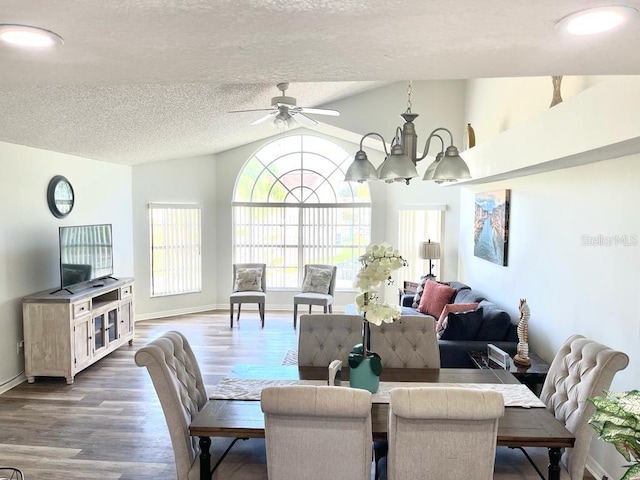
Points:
x=400, y=164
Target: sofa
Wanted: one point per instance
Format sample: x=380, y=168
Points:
x=491, y=325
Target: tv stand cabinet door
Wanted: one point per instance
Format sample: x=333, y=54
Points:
x=47, y=340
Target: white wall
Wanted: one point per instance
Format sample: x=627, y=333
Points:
x=569, y=286
x=189, y=180
x=29, y=257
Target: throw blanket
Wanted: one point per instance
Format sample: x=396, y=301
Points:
x=247, y=389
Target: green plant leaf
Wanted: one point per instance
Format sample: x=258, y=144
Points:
x=355, y=359
x=632, y=473
x=376, y=364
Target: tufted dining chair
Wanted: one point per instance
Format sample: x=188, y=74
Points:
x=581, y=369
x=176, y=377
x=327, y=337
x=407, y=343
x=449, y=432
x=316, y=292
x=317, y=433
x=244, y=293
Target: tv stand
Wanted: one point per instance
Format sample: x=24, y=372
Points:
x=65, y=332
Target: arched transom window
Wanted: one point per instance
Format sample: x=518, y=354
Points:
x=291, y=206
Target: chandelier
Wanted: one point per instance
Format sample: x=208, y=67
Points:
x=400, y=163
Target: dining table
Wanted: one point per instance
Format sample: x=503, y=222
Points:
x=240, y=416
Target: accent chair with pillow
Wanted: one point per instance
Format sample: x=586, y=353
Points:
x=249, y=286
x=317, y=289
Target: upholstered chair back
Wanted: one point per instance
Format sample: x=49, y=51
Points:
x=580, y=369
x=263, y=266
x=325, y=337
x=317, y=433
x=450, y=433
x=176, y=377
x=409, y=342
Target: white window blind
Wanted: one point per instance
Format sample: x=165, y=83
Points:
x=176, y=265
x=418, y=224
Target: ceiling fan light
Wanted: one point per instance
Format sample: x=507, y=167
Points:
x=451, y=168
x=361, y=169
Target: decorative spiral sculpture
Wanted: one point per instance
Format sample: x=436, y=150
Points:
x=522, y=356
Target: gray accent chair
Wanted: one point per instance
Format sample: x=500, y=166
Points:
x=176, y=377
x=309, y=298
x=249, y=296
x=450, y=433
x=327, y=337
x=581, y=369
x=407, y=343
x=317, y=433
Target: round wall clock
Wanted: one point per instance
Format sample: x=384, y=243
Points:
x=60, y=196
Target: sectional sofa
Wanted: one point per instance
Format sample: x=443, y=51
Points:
x=464, y=334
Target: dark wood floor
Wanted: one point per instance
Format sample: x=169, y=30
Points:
x=109, y=424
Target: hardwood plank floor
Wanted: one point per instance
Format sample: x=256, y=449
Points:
x=109, y=424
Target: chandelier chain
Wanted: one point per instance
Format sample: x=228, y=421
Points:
x=409, y=90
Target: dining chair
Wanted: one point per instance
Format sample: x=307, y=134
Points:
x=581, y=369
x=449, y=432
x=249, y=286
x=317, y=433
x=11, y=473
x=318, y=287
x=327, y=337
x=407, y=343
x=176, y=377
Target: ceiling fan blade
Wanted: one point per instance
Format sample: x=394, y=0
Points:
x=265, y=118
x=253, y=110
x=320, y=111
x=304, y=120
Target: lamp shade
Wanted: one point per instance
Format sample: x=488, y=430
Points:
x=397, y=166
x=361, y=169
x=451, y=168
x=429, y=250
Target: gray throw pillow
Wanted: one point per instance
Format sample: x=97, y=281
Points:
x=317, y=280
x=248, y=280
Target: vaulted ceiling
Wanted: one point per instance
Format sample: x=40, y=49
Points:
x=139, y=81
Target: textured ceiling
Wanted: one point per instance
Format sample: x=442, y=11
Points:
x=149, y=80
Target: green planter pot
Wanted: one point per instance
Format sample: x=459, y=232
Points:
x=363, y=377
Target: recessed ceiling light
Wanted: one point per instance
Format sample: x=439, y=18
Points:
x=596, y=20
x=26, y=36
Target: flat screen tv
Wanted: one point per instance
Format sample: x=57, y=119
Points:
x=86, y=254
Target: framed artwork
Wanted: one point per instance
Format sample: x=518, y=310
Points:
x=491, y=226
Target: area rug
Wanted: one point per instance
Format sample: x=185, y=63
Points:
x=290, y=358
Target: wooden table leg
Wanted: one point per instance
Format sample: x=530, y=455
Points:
x=554, y=463
x=205, y=458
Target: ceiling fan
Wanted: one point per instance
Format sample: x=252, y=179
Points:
x=284, y=111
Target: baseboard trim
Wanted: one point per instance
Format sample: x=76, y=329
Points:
x=14, y=382
x=595, y=469
x=249, y=307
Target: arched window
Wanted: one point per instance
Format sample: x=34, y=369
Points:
x=291, y=206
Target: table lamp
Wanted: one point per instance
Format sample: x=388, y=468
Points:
x=430, y=251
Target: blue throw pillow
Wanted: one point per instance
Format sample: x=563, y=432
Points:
x=462, y=325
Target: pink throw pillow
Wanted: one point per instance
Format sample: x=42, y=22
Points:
x=456, y=308
x=434, y=298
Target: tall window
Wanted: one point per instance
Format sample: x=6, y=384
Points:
x=418, y=224
x=176, y=265
x=291, y=206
